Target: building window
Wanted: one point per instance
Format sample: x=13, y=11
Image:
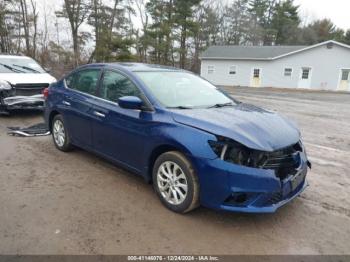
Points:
x=306, y=73
x=345, y=75
x=256, y=73
x=288, y=72
x=232, y=70
x=211, y=70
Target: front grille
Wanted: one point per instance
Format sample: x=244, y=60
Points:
x=29, y=89
x=285, y=161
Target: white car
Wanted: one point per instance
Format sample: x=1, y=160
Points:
x=22, y=81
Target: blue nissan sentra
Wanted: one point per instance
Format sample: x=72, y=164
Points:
x=195, y=143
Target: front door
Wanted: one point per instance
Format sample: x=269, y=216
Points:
x=256, y=77
x=118, y=133
x=344, y=84
x=305, y=78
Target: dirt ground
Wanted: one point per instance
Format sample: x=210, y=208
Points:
x=77, y=203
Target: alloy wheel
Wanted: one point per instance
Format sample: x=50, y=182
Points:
x=172, y=183
x=59, y=133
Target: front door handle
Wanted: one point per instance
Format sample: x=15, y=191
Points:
x=66, y=103
x=99, y=114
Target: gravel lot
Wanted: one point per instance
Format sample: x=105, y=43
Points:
x=77, y=203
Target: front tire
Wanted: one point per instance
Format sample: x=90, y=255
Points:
x=60, y=134
x=176, y=182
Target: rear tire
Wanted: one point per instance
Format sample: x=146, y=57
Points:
x=60, y=134
x=176, y=182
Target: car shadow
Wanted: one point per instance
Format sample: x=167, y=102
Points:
x=217, y=218
x=202, y=213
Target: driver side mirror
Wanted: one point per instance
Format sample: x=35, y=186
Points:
x=130, y=102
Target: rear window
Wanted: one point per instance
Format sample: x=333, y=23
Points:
x=84, y=81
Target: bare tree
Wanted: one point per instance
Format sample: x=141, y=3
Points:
x=76, y=11
x=35, y=15
x=141, y=41
x=5, y=34
x=25, y=24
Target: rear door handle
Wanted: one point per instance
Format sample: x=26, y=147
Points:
x=99, y=114
x=66, y=103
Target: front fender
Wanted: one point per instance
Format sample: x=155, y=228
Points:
x=187, y=140
x=190, y=141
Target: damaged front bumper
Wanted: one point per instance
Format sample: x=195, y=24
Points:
x=23, y=102
x=225, y=186
x=31, y=131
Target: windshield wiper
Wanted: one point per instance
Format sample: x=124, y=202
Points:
x=12, y=68
x=180, y=107
x=27, y=68
x=221, y=105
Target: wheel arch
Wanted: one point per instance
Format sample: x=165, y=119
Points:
x=51, y=117
x=156, y=152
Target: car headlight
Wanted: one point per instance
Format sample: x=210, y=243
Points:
x=4, y=85
x=302, y=146
x=236, y=153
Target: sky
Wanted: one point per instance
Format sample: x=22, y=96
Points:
x=337, y=10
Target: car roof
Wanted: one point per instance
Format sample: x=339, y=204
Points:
x=139, y=67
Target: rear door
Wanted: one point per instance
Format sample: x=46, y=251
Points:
x=78, y=101
x=120, y=134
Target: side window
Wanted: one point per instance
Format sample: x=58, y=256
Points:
x=84, y=81
x=305, y=73
x=211, y=70
x=232, y=70
x=345, y=75
x=256, y=73
x=115, y=85
x=288, y=72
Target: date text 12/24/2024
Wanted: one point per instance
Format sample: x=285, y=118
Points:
x=173, y=258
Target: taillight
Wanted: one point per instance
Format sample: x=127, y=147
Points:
x=46, y=92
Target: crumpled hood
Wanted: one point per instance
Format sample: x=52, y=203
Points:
x=27, y=78
x=249, y=125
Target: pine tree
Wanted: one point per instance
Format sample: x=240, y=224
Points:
x=110, y=29
x=160, y=32
x=238, y=19
x=184, y=20
x=285, y=22
x=347, y=37
x=257, y=10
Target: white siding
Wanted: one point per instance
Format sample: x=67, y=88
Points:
x=326, y=65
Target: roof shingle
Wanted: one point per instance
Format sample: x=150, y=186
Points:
x=248, y=52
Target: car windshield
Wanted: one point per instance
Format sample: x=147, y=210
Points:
x=183, y=90
x=19, y=65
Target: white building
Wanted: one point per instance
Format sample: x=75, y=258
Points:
x=323, y=66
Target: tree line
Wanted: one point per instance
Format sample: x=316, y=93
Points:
x=168, y=32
